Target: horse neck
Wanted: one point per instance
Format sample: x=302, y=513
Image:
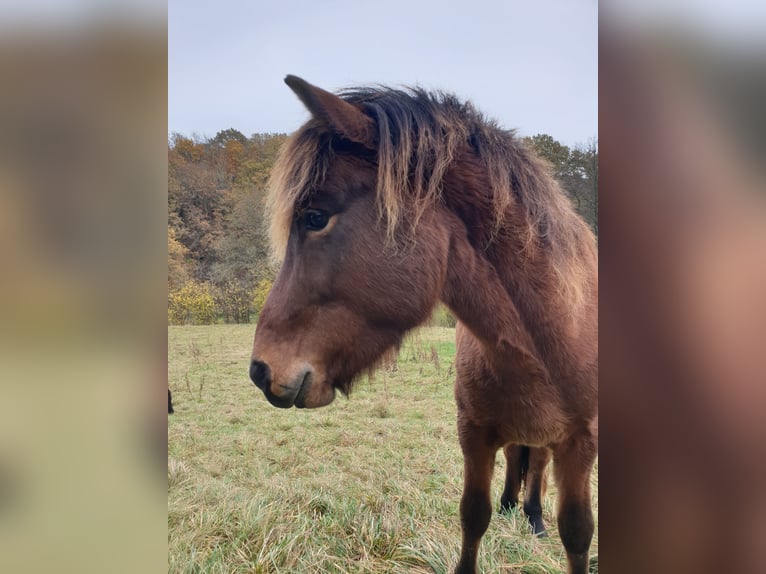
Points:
x=499, y=296
x=507, y=293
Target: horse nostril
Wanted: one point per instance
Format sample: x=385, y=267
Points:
x=260, y=374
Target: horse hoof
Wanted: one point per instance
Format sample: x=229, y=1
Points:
x=538, y=527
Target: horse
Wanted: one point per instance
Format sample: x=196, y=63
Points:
x=387, y=201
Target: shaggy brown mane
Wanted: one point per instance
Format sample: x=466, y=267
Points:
x=419, y=135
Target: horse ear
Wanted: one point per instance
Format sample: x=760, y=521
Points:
x=343, y=117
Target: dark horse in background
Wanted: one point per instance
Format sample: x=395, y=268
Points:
x=387, y=202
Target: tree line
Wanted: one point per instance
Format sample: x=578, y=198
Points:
x=218, y=255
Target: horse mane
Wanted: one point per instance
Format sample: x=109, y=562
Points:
x=420, y=133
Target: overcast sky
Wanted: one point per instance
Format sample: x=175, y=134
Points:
x=531, y=65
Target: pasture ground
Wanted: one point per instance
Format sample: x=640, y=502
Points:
x=371, y=484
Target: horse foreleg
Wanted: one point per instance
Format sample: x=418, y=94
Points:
x=475, y=505
x=535, y=488
x=573, y=461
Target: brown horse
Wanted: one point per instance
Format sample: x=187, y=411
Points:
x=385, y=203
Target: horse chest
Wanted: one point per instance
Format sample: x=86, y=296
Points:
x=515, y=413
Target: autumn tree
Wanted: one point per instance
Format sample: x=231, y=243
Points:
x=187, y=148
x=576, y=169
x=216, y=223
x=178, y=273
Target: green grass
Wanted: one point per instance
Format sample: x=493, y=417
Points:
x=370, y=484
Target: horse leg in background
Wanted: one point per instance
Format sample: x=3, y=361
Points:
x=534, y=486
x=475, y=505
x=516, y=463
x=526, y=465
x=573, y=462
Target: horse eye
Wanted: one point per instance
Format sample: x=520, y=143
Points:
x=315, y=220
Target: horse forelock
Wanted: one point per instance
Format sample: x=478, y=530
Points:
x=419, y=136
x=300, y=168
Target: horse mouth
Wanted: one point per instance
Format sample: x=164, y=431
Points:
x=306, y=391
x=290, y=397
x=300, y=397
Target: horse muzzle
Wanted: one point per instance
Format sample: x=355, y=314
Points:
x=301, y=389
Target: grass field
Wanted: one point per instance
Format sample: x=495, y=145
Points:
x=371, y=484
